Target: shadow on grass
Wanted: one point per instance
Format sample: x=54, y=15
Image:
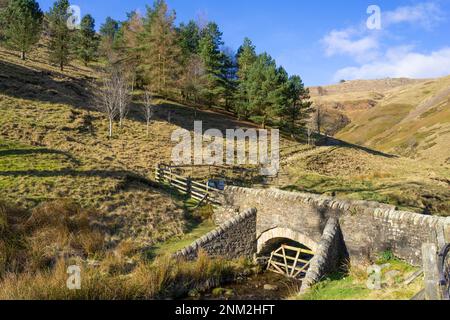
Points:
x=24, y=152
x=41, y=85
x=330, y=141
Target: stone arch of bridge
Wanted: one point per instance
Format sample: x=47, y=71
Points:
x=281, y=234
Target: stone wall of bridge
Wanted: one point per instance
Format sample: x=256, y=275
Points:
x=233, y=239
x=368, y=228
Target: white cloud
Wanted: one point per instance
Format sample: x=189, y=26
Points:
x=375, y=59
x=401, y=62
x=426, y=15
x=342, y=42
x=362, y=43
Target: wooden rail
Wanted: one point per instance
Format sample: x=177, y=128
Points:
x=201, y=192
x=293, y=266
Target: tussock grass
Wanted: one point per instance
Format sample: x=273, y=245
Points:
x=161, y=279
x=38, y=238
x=37, y=246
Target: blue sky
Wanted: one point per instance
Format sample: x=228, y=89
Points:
x=323, y=40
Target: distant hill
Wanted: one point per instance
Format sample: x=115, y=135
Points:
x=401, y=116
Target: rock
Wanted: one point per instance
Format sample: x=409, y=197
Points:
x=391, y=277
x=270, y=287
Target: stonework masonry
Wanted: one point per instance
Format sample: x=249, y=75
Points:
x=233, y=239
x=368, y=228
x=329, y=256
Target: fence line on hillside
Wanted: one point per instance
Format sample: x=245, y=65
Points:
x=201, y=192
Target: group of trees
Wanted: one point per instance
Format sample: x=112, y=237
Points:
x=23, y=24
x=188, y=62
x=191, y=63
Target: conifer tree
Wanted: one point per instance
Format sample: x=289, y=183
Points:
x=87, y=40
x=61, y=39
x=213, y=60
x=161, y=62
x=109, y=28
x=265, y=85
x=246, y=57
x=21, y=22
x=127, y=44
x=108, y=32
x=298, y=107
x=189, y=38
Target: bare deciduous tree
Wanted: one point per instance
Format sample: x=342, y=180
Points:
x=148, y=109
x=115, y=97
x=107, y=99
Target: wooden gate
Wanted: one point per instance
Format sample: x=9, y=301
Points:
x=290, y=261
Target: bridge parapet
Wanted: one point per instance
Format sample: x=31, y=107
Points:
x=368, y=228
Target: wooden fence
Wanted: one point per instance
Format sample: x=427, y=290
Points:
x=201, y=192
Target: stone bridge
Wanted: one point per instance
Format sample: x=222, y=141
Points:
x=255, y=221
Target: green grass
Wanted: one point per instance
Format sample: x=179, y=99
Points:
x=178, y=243
x=352, y=286
x=337, y=288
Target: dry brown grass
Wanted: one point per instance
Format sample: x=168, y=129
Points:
x=36, y=239
x=163, y=278
x=38, y=245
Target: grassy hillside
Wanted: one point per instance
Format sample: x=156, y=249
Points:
x=70, y=156
x=56, y=160
x=355, y=173
x=399, y=116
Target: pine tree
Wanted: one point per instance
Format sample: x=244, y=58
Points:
x=213, y=60
x=61, y=39
x=189, y=38
x=246, y=57
x=298, y=106
x=230, y=79
x=109, y=28
x=21, y=22
x=87, y=40
x=161, y=62
x=265, y=87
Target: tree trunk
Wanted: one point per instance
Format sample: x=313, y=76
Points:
x=23, y=56
x=61, y=66
x=110, y=127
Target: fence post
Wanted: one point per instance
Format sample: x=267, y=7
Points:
x=189, y=186
x=431, y=271
x=158, y=173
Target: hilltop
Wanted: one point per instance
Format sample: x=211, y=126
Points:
x=405, y=117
